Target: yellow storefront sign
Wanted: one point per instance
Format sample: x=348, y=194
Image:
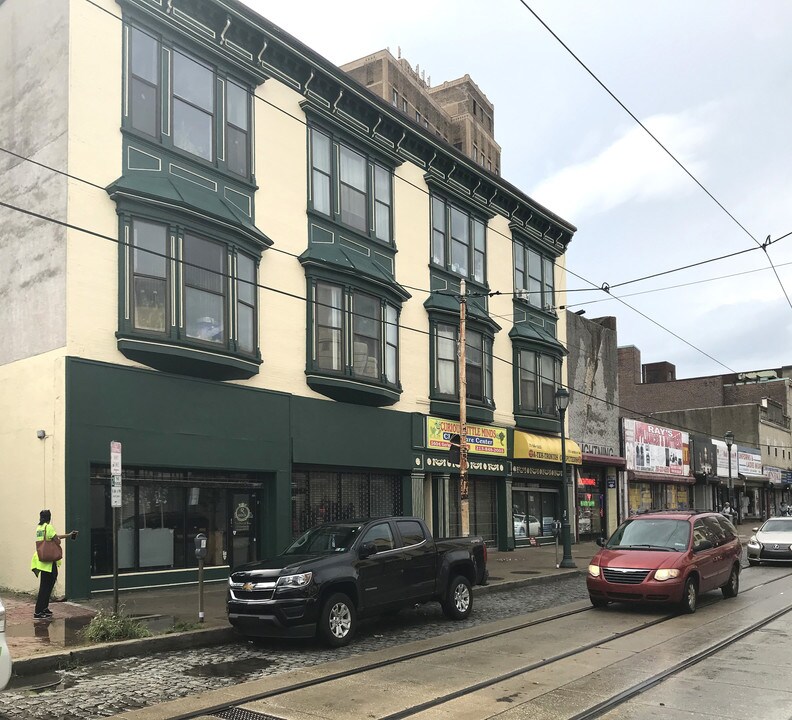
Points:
x=481, y=439
x=545, y=449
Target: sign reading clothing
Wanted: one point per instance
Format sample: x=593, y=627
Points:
x=481, y=439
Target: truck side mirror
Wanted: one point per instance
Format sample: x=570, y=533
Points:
x=367, y=549
x=200, y=546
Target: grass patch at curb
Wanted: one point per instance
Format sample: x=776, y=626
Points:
x=110, y=627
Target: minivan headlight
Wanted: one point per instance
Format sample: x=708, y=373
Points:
x=294, y=581
x=594, y=570
x=666, y=574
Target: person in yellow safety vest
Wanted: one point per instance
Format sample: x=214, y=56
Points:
x=47, y=572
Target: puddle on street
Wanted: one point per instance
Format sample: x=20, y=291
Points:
x=230, y=669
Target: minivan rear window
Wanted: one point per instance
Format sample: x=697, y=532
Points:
x=651, y=534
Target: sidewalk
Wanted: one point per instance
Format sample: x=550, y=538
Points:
x=38, y=646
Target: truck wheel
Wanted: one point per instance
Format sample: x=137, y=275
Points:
x=459, y=599
x=338, y=620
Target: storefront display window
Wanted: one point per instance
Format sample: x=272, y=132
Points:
x=589, y=506
x=163, y=510
x=644, y=497
x=533, y=512
x=483, y=516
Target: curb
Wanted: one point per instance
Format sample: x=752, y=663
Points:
x=123, y=649
x=538, y=580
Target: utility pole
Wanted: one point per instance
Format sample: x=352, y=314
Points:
x=464, y=502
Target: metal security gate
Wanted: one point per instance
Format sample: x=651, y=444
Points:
x=328, y=495
x=483, y=508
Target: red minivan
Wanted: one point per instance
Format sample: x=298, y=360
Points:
x=669, y=556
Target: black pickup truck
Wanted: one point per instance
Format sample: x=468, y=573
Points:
x=338, y=572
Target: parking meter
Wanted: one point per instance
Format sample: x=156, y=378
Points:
x=200, y=553
x=557, y=535
x=5, y=657
x=200, y=546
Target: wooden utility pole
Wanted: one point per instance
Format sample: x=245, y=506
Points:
x=464, y=503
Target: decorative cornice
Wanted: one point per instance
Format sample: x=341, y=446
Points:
x=293, y=63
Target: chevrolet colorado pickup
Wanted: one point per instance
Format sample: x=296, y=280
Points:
x=338, y=572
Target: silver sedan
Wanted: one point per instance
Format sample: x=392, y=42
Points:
x=772, y=542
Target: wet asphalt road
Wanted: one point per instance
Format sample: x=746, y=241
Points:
x=112, y=687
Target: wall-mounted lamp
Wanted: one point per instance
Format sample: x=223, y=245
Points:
x=41, y=434
x=580, y=312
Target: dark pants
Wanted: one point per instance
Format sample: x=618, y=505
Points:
x=46, y=583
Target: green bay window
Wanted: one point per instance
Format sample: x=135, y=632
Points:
x=185, y=289
x=354, y=339
x=350, y=187
x=186, y=104
x=533, y=277
x=458, y=241
x=539, y=375
x=478, y=364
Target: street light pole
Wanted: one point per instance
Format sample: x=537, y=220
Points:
x=562, y=402
x=729, y=438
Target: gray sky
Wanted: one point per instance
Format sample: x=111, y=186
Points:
x=711, y=79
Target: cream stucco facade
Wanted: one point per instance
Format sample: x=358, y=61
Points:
x=70, y=371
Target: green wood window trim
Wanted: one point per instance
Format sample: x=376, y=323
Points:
x=443, y=344
x=352, y=343
x=458, y=240
x=534, y=277
x=532, y=367
x=229, y=128
x=362, y=201
x=208, y=305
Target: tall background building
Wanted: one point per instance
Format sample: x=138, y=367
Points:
x=457, y=110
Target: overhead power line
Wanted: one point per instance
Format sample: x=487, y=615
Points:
x=426, y=192
x=308, y=300
x=566, y=47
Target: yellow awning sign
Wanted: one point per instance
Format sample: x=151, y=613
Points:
x=545, y=449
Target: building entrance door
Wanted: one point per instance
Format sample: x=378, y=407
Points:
x=244, y=516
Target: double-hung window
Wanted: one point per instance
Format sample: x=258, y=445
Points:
x=349, y=187
x=458, y=241
x=539, y=375
x=533, y=277
x=187, y=287
x=355, y=334
x=144, y=82
x=187, y=104
x=478, y=364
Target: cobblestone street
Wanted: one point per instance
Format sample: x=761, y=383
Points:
x=105, y=689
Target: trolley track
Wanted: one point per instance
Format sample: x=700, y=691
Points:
x=233, y=710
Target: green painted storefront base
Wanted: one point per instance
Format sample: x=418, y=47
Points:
x=157, y=578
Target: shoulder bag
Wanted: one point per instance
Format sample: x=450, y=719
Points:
x=49, y=550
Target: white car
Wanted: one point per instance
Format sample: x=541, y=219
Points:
x=5, y=657
x=524, y=527
x=772, y=542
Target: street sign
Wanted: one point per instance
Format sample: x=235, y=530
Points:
x=115, y=491
x=115, y=458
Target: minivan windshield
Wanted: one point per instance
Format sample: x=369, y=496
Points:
x=651, y=534
x=325, y=539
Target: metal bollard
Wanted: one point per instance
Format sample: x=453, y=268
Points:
x=5, y=656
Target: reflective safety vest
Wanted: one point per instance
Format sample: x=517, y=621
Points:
x=43, y=532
